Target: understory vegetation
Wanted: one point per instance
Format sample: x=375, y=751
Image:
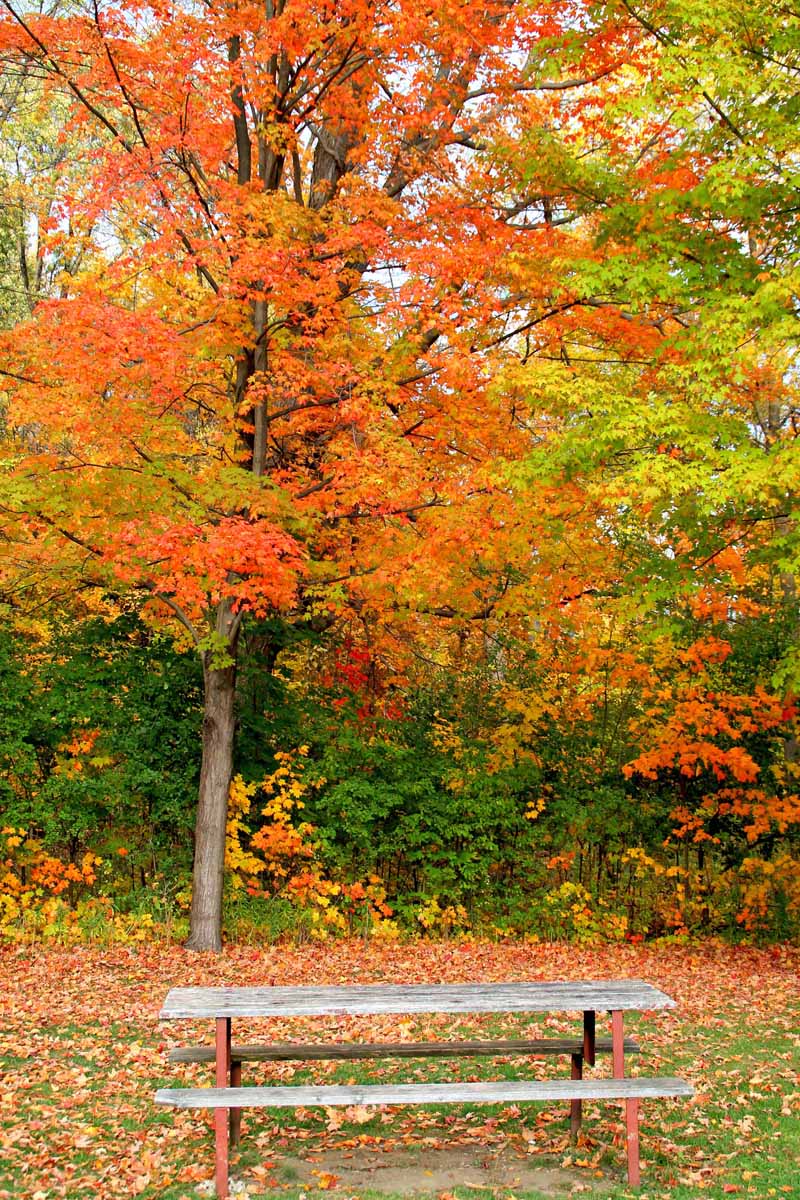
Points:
x=511, y=795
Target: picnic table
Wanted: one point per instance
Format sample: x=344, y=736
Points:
x=228, y=1097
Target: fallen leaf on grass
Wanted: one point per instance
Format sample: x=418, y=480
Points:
x=325, y=1180
x=359, y=1114
x=262, y=1170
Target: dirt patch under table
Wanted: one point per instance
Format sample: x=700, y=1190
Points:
x=412, y=1170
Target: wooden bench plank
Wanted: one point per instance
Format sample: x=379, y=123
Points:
x=498, y=1091
x=372, y=999
x=297, y=1051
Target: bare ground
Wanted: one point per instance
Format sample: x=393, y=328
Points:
x=409, y=1171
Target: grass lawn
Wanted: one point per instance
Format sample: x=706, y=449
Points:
x=82, y=1051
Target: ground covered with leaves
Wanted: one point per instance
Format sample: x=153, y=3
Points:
x=82, y=1051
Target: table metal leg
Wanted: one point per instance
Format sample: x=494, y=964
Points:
x=588, y=1037
x=223, y=1062
x=632, y=1131
x=576, y=1106
x=617, y=1044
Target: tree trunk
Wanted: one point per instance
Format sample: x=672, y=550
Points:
x=219, y=720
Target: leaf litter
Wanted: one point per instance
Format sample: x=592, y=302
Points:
x=82, y=1052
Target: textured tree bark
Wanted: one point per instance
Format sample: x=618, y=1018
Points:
x=219, y=723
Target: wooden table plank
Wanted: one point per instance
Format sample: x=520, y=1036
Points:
x=346, y=1051
x=602, y=995
x=493, y=1092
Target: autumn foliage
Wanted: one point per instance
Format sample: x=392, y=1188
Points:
x=429, y=375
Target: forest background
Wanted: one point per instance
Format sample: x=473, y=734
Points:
x=399, y=447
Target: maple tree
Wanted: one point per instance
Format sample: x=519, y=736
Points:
x=707, y=450
x=291, y=237
x=684, y=436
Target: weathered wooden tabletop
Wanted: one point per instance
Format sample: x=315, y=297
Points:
x=600, y=996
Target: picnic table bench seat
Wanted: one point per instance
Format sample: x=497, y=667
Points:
x=491, y=1092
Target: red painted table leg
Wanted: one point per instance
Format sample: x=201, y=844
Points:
x=223, y=1059
x=617, y=1044
x=632, y=1129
